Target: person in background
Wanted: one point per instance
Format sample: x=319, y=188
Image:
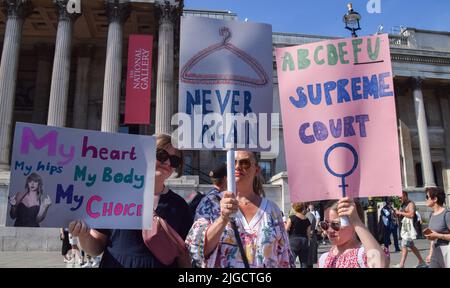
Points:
x=126, y=248
x=74, y=251
x=313, y=217
x=408, y=232
x=299, y=228
x=66, y=247
x=212, y=241
x=438, y=231
x=315, y=213
x=390, y=223
x=218, y=177
x=346, y=250
x=313, y=245
x=418, y=225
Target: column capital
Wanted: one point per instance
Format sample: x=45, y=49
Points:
x=63, y=14
x=117, y=10
x=17, y=8
x=167, y=12
x=417, y=82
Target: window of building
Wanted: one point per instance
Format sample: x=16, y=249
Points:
x=266, y=169
x=187, y=159
x=127, y=128
x=221, y=158
x=437, y=171
x=419, y=176
x=432, y=109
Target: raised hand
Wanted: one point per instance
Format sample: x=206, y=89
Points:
x=47, y=201
x=12, y=200
x=346, y=207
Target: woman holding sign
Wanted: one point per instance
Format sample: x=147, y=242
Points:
x=346, y=250
x=212, y=239
x=29, y=208
x=126, y=248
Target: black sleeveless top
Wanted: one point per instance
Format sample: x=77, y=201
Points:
x=26, y=216
x=298, y=227
x=126, y=248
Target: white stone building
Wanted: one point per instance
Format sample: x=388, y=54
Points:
x=69, y=70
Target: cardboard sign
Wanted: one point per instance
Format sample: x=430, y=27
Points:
x=139, y=78
x=225, y=82
x=60, y=174
x=339, y=120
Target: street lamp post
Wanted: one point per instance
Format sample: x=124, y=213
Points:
x=372, y=217
x=351, y=20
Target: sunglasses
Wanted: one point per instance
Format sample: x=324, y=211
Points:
x=245, y=163
x=427, y=197
x=162, y=156
x=336, y=226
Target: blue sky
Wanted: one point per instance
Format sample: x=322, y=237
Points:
x=324, y=17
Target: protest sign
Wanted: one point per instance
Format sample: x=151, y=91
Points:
x=60, y=174
x=339, y=119
x=226, y=90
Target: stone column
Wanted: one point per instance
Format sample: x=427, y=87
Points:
x=117, y=12
x=59, y=91
x=165, y=82
x=407, y=155
x=16, y=11
x=43, y=78
x=80, y=104
x=422, y=129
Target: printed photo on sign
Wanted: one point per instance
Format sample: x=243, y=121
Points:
x=61, y=174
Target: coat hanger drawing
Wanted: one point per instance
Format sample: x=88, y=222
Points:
x=197, y=78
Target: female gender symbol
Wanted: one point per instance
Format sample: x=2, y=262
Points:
x=342, y=176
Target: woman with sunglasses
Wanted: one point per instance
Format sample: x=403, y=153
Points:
x=438, y=231
x=212, y=241
x=126, y=248
x=346, y=250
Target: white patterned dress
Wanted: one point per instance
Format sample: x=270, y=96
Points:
x=265, y=240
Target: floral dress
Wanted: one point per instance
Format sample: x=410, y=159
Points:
x=352, y=258
x=265, y=241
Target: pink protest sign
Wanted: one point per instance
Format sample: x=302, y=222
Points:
x=339, y=120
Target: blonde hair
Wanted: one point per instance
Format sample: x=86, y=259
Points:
x=300, y=207
x=162, y=141
x=36, y=178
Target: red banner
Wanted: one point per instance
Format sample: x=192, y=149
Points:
x=139, y=75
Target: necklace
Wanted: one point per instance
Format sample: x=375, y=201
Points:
x=245, y=203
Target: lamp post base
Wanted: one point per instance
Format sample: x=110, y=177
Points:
x=372, y=217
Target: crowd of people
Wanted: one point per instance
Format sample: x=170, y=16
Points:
x=246, y=229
